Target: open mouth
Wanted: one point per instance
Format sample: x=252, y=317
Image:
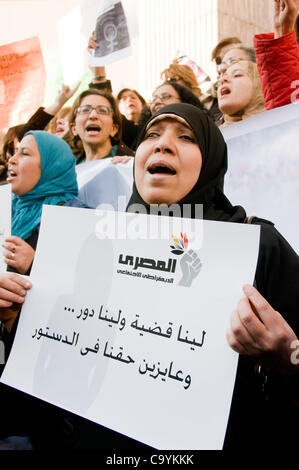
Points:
x=59, y=130
x=93, y=128
x=224, y=91
x=10, y=175
x=161, y=169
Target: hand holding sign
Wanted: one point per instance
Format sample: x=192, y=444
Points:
x=92, y=43
x=259, y=331
x=13, y=288
x=18, y=254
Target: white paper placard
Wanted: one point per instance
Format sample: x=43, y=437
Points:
x=263, y=168
x=130, y=333
x=5, y=219
x=103, y=184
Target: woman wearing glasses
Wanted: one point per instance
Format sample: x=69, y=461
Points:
x=170, y=92
x=95, y=125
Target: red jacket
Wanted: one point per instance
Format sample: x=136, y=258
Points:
x=278, y=65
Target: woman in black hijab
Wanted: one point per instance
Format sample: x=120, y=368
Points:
x=182, y=159
x=168, y=170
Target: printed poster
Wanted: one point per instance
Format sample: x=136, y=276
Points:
x=112, y=34
x=130, y=330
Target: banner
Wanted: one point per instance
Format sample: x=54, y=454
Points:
x=22, y=81
x=263, y=168
x=130, y=330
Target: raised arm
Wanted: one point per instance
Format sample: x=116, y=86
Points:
x=285, y=14
x=277, y=56
x=99, y=79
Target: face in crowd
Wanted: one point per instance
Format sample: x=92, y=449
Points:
x=235, y=88
x=61, y=125
x=221, y=53
x=24, y=167
x=94, y=121
x=167, y=162
x=231, y=56
x=130, y=105
x=162, y=96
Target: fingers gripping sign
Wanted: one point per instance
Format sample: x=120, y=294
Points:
x=259, y=331
x=13, y=289
x=18, y=254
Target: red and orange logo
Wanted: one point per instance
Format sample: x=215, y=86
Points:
x=180, y=244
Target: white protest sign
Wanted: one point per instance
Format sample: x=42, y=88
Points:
x=130, y=332
x=263, y=168
x=115, y=26
x=5, y=219
x=102, y=183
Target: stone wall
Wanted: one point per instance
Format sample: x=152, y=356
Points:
x=244, y=18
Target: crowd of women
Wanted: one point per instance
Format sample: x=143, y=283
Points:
x=177, y=133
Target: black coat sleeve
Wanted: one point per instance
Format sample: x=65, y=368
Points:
x=265, y=405
x=38, y=121
x=277, y=274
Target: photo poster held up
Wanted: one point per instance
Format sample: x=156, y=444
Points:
x=115, y=27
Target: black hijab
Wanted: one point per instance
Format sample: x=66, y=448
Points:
x=208, y=190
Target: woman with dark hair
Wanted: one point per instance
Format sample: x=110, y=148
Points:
x=182, y=159
x=9, y=144
x=168, y=93
x=264, y=412
x=95, y=126
x=130, y=104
